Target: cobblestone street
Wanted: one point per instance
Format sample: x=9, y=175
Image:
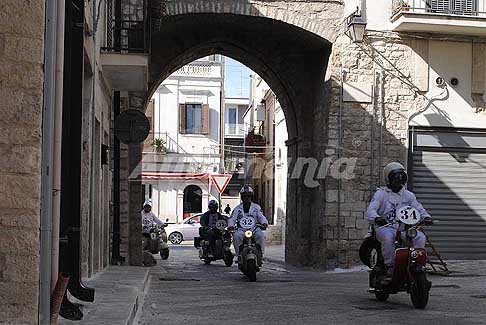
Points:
x=183, y=290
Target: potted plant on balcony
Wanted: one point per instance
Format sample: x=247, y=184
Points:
x=159, y=145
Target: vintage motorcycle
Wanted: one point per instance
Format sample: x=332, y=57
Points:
x=250, y=253
x=220, y=250
x=409, y=269
x=154, y=240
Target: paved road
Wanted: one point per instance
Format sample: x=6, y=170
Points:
x=183, y=290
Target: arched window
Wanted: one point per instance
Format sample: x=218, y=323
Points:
x=192, y=199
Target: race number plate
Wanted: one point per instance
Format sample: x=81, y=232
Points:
x=221, y=224
x=408, y=215
x=247, y=222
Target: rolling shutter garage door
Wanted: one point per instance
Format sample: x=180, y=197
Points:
x=449, y=179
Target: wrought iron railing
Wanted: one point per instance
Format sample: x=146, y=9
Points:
x=448, y=7
x=128, y=26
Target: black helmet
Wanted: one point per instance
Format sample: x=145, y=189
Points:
x=246, y=190
x=213, y=202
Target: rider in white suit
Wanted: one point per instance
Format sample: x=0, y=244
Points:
x=384, y=206
x=247, y=208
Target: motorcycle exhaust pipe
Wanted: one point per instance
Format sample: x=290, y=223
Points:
x=58, y=295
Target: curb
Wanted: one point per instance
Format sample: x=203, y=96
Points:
x=134, y=313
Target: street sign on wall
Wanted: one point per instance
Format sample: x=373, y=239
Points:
x=221, y=181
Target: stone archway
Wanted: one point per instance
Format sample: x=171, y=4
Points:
x=293, y=62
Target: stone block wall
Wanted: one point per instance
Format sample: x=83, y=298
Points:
x=372, y=135
x=21, y=86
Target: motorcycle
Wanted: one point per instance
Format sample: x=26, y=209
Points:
x=220, y=250
x=154, y=240
x=409, y=269
x=250, y=253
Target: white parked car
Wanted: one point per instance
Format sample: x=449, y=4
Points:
x=186, y=230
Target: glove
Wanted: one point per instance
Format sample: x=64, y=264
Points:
x=262, y=226
x=428, y=221
x=379, y=221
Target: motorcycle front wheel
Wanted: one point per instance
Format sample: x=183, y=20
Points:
x=164, y=254
x=420, y=291
x=251, y=270
x=228, y=259
x=381, y=295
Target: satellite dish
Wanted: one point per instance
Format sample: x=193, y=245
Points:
x=132, y=126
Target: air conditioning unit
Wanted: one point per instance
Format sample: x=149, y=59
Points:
x=261, y=113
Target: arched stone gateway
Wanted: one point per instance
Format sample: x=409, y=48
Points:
x=291, y=52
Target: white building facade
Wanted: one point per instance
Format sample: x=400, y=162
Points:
x=185, y=113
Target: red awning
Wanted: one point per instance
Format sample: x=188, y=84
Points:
x=174, y=176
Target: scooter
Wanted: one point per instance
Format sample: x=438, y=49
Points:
x=409, y=269
x=250, y=253
x=220, y=250
x=155, y=240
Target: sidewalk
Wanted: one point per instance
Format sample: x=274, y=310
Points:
x=275, y=254
x=118, y=295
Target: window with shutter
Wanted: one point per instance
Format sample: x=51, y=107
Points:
x=192, y=121
x=458, y=7
x=182, y=118
x=205, y=119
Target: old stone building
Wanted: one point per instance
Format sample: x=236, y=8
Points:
x=412, y=91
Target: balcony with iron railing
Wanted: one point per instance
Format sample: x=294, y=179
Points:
x=462, y=17
x=126, y=43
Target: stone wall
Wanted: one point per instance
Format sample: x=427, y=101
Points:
x=21, y=82
x=372, y=134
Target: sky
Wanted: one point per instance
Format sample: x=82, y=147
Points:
x=237, y=83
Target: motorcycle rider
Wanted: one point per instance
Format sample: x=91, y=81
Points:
x=383, y=207
x=148, y=218
x=247, y=208
x=208, y=222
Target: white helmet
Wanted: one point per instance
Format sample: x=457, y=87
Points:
x=392, y=167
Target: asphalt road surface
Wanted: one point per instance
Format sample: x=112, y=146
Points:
x=183, y=290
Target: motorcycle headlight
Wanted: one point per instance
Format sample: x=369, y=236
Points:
x=248, y=234
x=414, y=254
x=412, y=233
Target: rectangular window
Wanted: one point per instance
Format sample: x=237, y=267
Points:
x=456, y=7
x=232, y=117
x=194, y=118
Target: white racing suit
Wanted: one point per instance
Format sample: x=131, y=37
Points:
x=148, y=219
x=255, y=212
x=385, y=204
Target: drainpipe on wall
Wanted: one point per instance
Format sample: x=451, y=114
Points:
x=339, y=154
x=46, y=169
x=56, y=199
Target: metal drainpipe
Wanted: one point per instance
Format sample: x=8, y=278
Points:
x=339, y=152
x=382, y=119
x=47, y=160
x=373, y=105
x=56, y=198
x=93, y=133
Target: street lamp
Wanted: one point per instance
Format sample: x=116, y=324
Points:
x=356, y=27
